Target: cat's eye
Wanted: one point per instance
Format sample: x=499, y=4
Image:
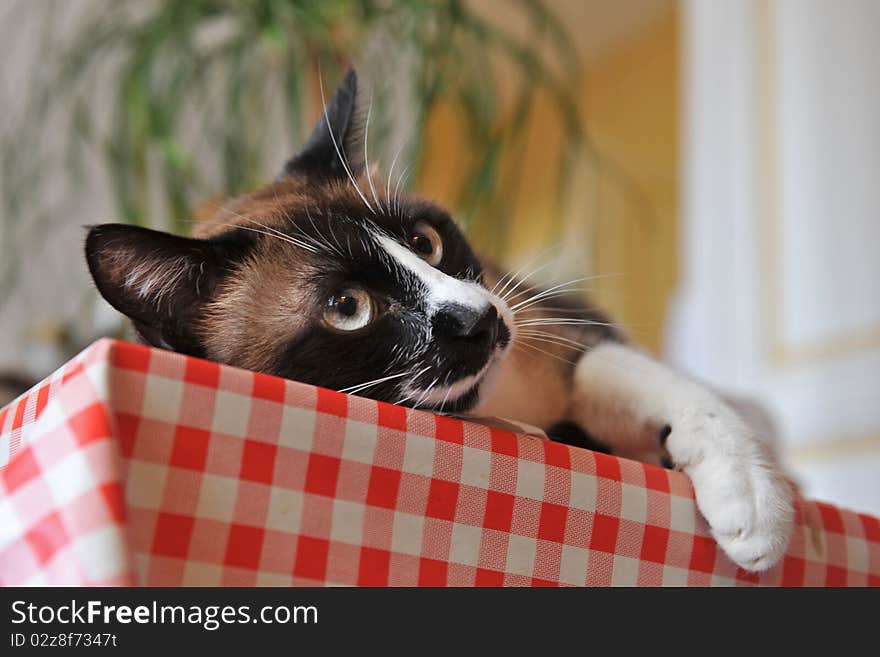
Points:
x=349, y=309
x=426, y=243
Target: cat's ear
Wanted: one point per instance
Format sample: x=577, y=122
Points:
x=160, y=281
x=333, y=144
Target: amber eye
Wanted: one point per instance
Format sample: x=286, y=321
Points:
x=350, y=309
x=426, y=243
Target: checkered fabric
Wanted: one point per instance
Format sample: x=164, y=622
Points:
x=133, y=465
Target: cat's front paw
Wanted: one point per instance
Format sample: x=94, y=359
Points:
x=743, y=496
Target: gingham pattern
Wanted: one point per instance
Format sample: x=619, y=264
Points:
x=135, y=465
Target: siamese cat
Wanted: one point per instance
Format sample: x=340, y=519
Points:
x=325, y=277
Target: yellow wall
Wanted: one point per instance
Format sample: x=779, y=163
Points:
x=632, y=109
x=626, y=199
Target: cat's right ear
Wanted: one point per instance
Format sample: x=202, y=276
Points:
x=160, y=281
x=334, y=142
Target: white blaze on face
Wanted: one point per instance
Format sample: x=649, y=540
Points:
x=442, y=288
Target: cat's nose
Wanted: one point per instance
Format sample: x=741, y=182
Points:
x=461, y=322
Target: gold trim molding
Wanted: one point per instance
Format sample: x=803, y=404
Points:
x=832, y=450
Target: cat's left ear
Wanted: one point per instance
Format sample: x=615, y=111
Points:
x=333, y=144
x=160, y=281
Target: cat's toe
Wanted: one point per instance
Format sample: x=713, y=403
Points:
x=759, y=539
x=744, y=498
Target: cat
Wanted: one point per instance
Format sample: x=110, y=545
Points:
x=325, y=278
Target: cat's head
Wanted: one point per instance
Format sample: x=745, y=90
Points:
x=325, y=276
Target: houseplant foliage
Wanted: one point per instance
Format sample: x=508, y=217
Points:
x=174, y=99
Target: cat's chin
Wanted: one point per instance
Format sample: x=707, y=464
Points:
x=465, y=394
x=462, y=403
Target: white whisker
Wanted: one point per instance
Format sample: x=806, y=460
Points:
x=548, y=291
x=335, y=239
x=528, y=264
x=280, y=236
x=509, y=296
x=326, y=241
x=397, y=188
x=562, y=321
x=555, y=343
x=391, y=174
x=336, y=147
x=544, y=351
x=268, y=230
x=361, y=386
x=426, y=392
x=552, y=337
x=367, y=156
x=544, y=296
x=446, y=396
x=555, y=309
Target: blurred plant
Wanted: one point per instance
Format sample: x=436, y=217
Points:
x=173, y=96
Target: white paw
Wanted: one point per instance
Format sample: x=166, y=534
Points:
x=741, y=493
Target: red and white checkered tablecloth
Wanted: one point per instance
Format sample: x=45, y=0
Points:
x=133, y=465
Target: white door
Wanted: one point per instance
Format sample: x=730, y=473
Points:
x=780, y=291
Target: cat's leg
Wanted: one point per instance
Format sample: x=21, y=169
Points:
x=626, y=399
